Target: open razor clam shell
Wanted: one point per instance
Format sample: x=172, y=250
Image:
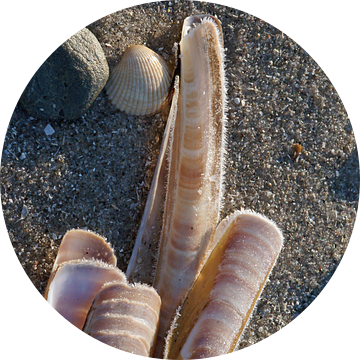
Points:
x=146, y=245
x=194, y=182
x=218, y=306
x=125, y=316
x=75, y=284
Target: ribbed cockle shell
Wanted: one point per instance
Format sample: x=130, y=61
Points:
x=140, y=83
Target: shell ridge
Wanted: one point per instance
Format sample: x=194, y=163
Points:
x=148, y=83
x=134, y=103
x=116, y=316
x=118, y=84
x=124, y=335
x=123, y=86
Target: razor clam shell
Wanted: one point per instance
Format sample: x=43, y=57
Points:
x=84, y=244
x=192, y=21
x=140, y=83
x=80, y=244
x=195, y=169
x=125, y=316
x=217, y=308
x=75, y=284
x=151, y=222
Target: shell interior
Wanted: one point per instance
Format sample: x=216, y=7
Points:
x=151, y=222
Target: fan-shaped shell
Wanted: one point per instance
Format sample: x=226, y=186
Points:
x=140, y=83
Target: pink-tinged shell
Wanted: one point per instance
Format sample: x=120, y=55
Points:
x=83, y=244
x=125, y=316
x=75, y=284
x=80, y=244
x=140, y=83
x=90, y=292
x=195, y=168
x=218, y=306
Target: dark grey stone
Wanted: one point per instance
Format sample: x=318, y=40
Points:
x=68, y=82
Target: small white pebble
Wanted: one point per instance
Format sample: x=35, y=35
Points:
x=49, y=130
x=237, y=101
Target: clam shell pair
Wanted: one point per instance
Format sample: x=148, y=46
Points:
x=140, y=83
x=87, y=288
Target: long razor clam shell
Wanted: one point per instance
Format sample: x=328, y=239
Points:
x=148, y=237
x=217, y=308
x=80, y=244
x=195, y=174
x=75, y=285
x=125, y=316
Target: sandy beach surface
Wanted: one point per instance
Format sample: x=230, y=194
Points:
x=95, y=172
